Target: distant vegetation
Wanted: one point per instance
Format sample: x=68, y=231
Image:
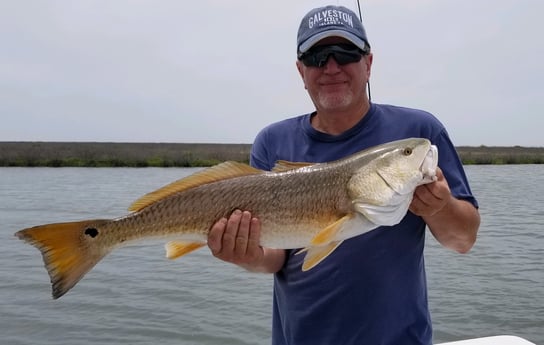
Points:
x=70, y=154
x=76, y=154
x=501, y=155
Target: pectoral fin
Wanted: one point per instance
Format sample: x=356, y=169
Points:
x=328, y=239
x=329, y=233
x=175, y=249
x=315, y=255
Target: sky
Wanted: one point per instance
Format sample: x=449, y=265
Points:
x=218, y=71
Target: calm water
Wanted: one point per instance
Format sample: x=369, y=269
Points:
x=136, y=296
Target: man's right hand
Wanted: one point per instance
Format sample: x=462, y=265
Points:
x=236, y=240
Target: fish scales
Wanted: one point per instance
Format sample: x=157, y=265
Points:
x=290, y=205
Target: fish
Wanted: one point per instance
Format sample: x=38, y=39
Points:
x=312, y=207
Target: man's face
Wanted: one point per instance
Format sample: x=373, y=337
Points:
x=336, y=87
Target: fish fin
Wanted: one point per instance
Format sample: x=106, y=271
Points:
x=303, y=250
x=216, y=173
x=358, y=225
x=176, y=249
x=283, y=165
x=67, y=249
x=329, y=233
x=317, y=254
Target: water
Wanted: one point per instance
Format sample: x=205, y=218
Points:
x=136, y=296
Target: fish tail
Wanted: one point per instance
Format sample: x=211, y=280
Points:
x=69, y=250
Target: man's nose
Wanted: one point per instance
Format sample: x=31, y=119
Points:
x=331, y=66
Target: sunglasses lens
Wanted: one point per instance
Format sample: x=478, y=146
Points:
x=345, y=58
x=343, y=54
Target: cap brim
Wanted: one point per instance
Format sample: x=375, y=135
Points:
x=332, y=33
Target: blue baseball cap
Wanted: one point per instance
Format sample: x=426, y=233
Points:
x=331, y=21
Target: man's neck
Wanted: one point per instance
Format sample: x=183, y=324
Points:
x=338, y=122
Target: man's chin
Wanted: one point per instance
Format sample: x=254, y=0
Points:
x=335, y=102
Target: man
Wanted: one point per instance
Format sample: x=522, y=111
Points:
x=372, y=289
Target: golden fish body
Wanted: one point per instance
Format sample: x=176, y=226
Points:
x=300, y=205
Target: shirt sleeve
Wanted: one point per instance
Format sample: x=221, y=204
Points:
x=258, y=157
x=450, y=163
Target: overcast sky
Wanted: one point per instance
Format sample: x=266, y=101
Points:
x=218, y=71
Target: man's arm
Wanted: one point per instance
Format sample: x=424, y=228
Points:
x=236, y=240
x=453, y=222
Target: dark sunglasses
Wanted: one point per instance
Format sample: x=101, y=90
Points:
x=343, y=54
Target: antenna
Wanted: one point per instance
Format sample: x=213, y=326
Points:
x=359, y=7
x=361, y=19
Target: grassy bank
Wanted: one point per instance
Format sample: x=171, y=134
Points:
x=65, y=154
x=501, y=155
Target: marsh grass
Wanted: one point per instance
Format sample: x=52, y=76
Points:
x=501, y=155
x=69, y=154
x=88, y=154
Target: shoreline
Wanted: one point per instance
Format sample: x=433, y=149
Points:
x=113, y=154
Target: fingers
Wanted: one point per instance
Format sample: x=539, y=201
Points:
x=418, y=205
x=229, y=235
x=255, y=234
x=254, y=250
x=431, y=198
x=240, y=222
x=236, y=239
x=215, y=236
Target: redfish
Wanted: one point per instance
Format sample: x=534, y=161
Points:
x=300, y=205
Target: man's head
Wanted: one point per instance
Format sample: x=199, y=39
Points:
x=334, y=59
x=331, y=21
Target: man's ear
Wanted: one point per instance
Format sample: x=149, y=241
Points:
x=368, y=62
x=300, y=68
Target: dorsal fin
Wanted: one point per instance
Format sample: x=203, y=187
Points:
x=282, y=165
x=218, y=172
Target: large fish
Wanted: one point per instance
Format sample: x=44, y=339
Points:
x=300, y=205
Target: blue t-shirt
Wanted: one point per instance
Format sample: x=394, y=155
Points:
x=372, y=289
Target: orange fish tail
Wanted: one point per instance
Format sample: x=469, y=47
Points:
x=69, y=250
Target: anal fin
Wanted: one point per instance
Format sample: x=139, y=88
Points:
x=176, y=249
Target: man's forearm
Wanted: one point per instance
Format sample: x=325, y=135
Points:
x=456, y=225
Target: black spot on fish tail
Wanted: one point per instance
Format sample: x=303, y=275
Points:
x=91, y=232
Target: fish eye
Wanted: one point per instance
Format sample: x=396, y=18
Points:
x=407, y=151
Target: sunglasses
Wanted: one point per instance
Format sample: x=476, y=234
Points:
x=343, y=53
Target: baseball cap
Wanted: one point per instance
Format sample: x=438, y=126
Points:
x=331, y=21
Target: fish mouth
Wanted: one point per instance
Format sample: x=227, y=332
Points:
x=429, y=165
